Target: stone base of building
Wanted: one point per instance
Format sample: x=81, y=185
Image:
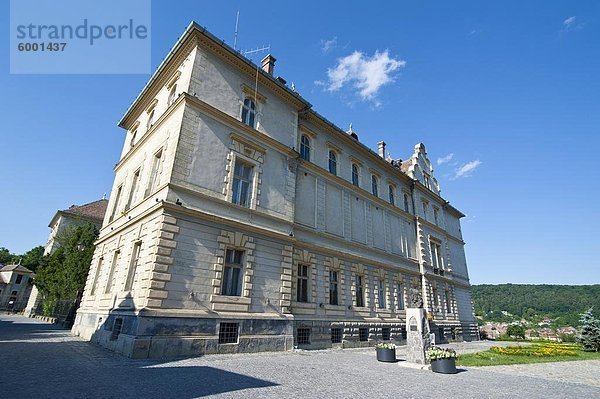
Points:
x=150, y=337
x=142, y=336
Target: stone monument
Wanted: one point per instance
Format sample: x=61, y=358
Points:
x=417, y=329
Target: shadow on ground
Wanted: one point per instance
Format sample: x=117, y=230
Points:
x=44, y=361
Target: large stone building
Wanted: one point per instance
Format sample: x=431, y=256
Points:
x=242, y=220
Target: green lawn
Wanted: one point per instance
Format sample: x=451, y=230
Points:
x=518, y=354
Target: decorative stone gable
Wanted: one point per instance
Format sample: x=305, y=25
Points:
x=239, y=241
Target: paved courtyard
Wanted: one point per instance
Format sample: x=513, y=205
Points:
x=39, y=360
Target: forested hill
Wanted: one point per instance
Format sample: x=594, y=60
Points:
x=534, y=302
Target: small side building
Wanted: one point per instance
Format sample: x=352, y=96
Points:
x=15, y=287
x=63, y=220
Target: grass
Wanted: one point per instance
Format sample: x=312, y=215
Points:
x=518, y=354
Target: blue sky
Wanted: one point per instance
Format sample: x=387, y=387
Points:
x=510, y=89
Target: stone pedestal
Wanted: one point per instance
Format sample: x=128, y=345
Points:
x=417, y=335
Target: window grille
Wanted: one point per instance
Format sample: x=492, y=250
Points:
x=117, y=326
x=303, y=335
x=336, y=335
x=363, y=334
x=228, y=333
x=385, y=333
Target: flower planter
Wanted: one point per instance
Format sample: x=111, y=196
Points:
x=386, y=355
x=444, y=366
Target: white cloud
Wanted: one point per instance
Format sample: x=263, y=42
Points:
x=467, y=169
x=366, y=74
x=328, y=45
x=571, y=24
x=569, y=21
x=445, y=159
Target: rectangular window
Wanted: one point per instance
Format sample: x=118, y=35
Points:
x=381, y=294
x=436, y=214
x=302, y=288
x=360, y=300
x=135, y=257
x=19, y=279
x=303, y=335
x=436, y=257
x=406, y=203
x=117, y=327
x=232, y=273
x=425, y=205
x=96, y=275
x=111, y=272
x=391, y=195
x=436, y=299
x=363, y=334
x=448, y=302
x=154, y=173
x=134, y=185
x=333, y=287
x=116, y=204
x=385, y=333
x=336, y=335
x=242, y=184
x=400, y=297
x=228, y=333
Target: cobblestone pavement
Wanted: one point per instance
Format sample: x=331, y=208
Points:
x=39, y=360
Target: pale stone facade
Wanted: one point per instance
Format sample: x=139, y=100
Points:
x=225, y=226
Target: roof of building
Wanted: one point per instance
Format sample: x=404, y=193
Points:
x=94, y=211
x=15, y=268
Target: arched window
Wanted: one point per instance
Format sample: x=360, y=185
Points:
x=355, y=174
x=406, y=207
x=305, y=147
x=374, y=185
x=332, y=162
x=248, y=112
x=391, y=194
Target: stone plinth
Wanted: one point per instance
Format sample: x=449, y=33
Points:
x=416, y=335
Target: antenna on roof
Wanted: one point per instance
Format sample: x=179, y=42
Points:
x=257, y=50
x=235, y=34
x=104, y=196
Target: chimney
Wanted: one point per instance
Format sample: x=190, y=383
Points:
x=268, y=64
x=381, y=149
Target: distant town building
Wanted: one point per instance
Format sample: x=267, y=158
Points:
x=241, y=220
x=15, y=287
x=62, y=221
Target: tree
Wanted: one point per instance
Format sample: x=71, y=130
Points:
x=62, y=274
x=6, y=258
x=589, y=332
x=516, y=331
x=32, y=258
